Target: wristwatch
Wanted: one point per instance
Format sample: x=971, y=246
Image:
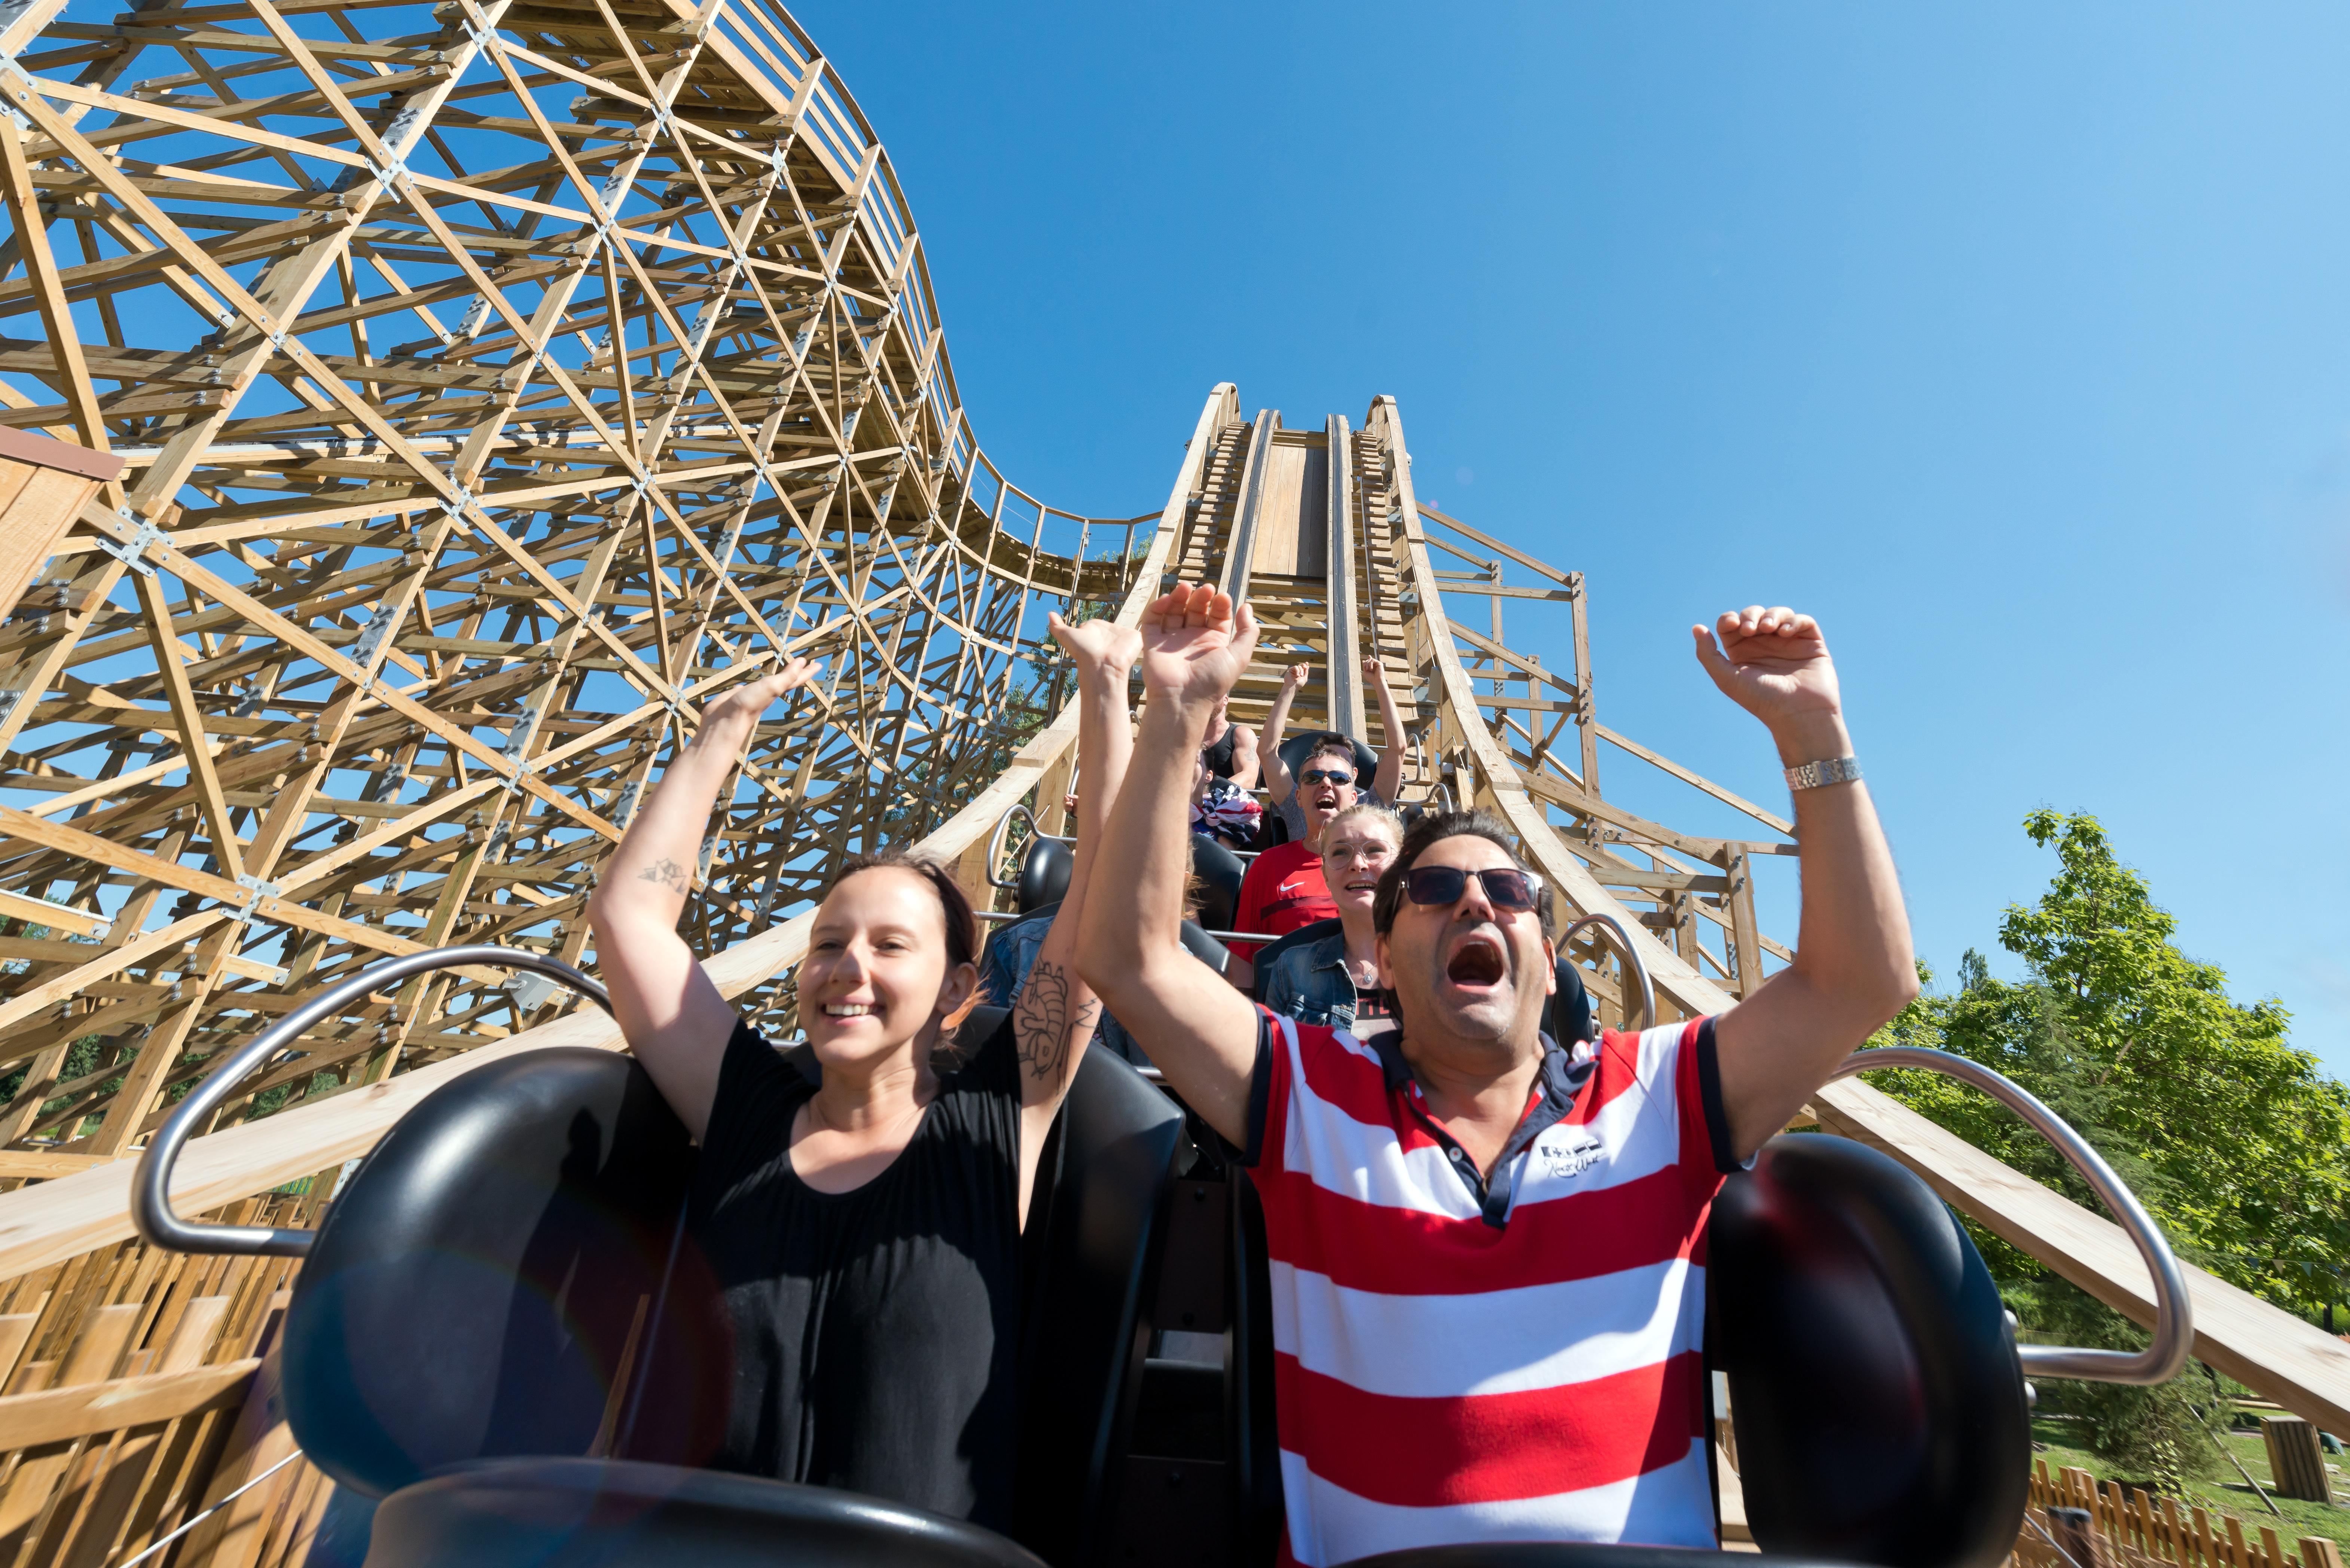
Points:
x=1833, y=770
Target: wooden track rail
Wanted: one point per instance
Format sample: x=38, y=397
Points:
x=492, y=382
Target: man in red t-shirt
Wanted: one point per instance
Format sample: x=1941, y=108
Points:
x=1284, y=889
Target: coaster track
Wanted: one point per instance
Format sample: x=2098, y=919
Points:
x=496, y=383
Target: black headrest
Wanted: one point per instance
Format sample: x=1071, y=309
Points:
x=1205, y=947
x=1297, y=748
x=1220, y=873
x=476, y=1284
x=1044, y=873
x=1832, y=1268
x=1097, y=1208
x=1570, y=1005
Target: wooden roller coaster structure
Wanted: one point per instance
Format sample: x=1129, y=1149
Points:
x=430, y=408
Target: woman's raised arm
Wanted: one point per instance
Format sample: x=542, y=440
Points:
x=674, y=1017
x=1056, y=1013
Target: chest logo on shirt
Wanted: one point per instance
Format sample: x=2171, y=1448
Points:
x=1569, y=1160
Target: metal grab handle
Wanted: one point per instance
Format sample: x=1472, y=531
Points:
x=1632, y=963
x=1002, y=829
x=150, y=1188
x=2173, y=1335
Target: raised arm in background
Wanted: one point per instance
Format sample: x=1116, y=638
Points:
x=1244, y=769
x=671, y=1014
x=1055, y=1016
x=1278, y=780
x=1389, y=778
x=1853, y=967
x=1199, y=1031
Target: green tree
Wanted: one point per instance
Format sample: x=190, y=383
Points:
x=2236, y=1142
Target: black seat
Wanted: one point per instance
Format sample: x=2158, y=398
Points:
x=1044, y=874
x=1831, y=1268
x=506, y=1278
x=484, y=1281
x=1100, y=1206
x=1220, y=872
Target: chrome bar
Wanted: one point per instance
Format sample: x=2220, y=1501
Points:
x=1639, y=970
x=151, y=1187
x=2173, y=1335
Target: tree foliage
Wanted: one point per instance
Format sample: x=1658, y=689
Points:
x=2236, y=1142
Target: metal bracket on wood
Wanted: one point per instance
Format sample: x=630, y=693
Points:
x=132, y=551
x=256, y=889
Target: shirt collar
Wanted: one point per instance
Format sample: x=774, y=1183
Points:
x=1560, y=1078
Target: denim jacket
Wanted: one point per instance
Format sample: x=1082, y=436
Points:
x=1011, y=952
x=1310, y=983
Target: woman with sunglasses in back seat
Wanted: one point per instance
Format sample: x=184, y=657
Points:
x=1376, y=778
x=1284, y=889
x=1487, y=1246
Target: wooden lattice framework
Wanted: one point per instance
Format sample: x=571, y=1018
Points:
x=496, y=383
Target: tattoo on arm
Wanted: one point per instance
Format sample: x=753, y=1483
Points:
x=1043, y=1024
x=667, y=872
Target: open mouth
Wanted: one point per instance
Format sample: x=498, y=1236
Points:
x=1478, y=961
x=847, y=1009
x=1364, y=885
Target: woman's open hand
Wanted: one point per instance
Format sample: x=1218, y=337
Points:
x=1098, y=646
x=1196, y=643
x=740, y=706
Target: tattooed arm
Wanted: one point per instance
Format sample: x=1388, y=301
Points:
x=675, y=1019
x=1053, y=1017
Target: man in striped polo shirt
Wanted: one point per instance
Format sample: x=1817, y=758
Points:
x=1488, y=1247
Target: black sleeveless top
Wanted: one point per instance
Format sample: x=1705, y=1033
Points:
x=1219, y=757
x=875, y=1332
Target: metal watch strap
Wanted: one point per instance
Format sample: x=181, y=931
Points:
x=1833, y=770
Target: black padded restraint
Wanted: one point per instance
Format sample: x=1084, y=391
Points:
x=473, y=1289
x=1874, y=1382
x=1044, y=874
x=1100, y=1204
x=1570, y=1006
x=1220, y=873
x=570, y=1513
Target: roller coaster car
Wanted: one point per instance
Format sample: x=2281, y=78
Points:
x=502, y=1331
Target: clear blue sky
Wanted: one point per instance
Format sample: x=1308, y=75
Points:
x=2014, y=341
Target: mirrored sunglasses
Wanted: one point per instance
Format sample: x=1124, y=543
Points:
x=1443, y=885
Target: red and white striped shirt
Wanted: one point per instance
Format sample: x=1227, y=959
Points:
x=1458, y=1362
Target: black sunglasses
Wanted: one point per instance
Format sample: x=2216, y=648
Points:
x=1504, y=888
x=1316, y=775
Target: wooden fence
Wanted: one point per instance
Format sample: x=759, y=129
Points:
x=2138, y=1531
x=135, y=1399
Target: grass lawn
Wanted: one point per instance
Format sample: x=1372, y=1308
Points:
x=2227, y=1493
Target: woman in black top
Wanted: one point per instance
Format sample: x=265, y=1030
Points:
x=864, y=1232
